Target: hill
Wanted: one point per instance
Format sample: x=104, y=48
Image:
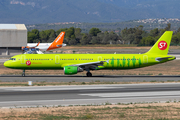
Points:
x=93, y=11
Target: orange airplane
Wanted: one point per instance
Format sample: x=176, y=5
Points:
x=39, y=48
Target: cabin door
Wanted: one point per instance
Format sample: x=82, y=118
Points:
x=145, y=59
x=22, y=59
x=57, y=60
x=99, y=58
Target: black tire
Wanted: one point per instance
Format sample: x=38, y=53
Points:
x=88, y=74
x=23, y=75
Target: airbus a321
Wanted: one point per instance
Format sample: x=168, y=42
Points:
x=39, y=48
x=75, y=63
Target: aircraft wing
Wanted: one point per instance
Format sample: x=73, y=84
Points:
x=90, y=65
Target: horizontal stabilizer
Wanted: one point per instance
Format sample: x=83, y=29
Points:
x=164, y=58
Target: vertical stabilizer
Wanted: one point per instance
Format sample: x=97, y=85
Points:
x=58, y=42
x=161, y=47
x=59, y=39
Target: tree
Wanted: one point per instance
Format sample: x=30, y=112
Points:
x=61, y=30
x=95, y=40
x=31, y=37
x=72, y=42
x=113, y=37
x=94, y=31
x=175, y=39
x=129, y=38
x=154, y=32
x=43, y=36
x=36, y=32
x=147, y=41
x=52, y=35
x=78, y=35
x=86, y=39
x=70, y=33
x=168, y=27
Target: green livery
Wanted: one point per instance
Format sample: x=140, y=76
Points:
x=74, y=63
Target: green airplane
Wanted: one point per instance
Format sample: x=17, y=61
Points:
x=74, y=63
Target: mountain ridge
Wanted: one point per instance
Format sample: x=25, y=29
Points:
x=93, y=11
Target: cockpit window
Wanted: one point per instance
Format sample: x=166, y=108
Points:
x=12, y=59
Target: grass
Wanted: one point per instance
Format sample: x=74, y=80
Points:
x=148, y=111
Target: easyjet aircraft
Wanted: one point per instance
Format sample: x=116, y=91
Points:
x=74, y=63
x=39, y=48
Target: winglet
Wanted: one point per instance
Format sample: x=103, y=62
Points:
x=37, y=44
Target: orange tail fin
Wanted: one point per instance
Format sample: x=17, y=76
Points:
x=59, y=39
x=57, y=42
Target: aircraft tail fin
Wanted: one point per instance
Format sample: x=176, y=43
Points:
x=162, y=45
x=59, y=39
x=58, y=42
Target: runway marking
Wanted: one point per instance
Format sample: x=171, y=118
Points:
x=47, y=89
x=134, y=94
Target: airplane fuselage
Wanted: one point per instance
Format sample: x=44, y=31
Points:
x=43, y=46
x=59, y=61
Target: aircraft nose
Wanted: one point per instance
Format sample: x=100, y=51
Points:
x=6, y=64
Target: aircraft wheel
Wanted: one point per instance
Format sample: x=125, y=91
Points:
x=89, y=74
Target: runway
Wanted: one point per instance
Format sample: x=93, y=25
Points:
x=88, y=94
x=78, y=78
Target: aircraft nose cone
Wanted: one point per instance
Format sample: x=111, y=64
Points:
x=6, y=64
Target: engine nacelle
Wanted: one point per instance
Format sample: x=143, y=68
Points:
x=70, y=70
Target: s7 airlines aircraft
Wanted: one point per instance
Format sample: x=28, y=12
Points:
x=74, y=63
x=39, y=47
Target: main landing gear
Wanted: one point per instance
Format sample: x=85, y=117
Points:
x=23, y=74
x=89, y=74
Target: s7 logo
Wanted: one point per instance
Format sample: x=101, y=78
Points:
x=162, y=45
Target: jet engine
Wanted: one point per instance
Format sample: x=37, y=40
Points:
x=70, y=70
